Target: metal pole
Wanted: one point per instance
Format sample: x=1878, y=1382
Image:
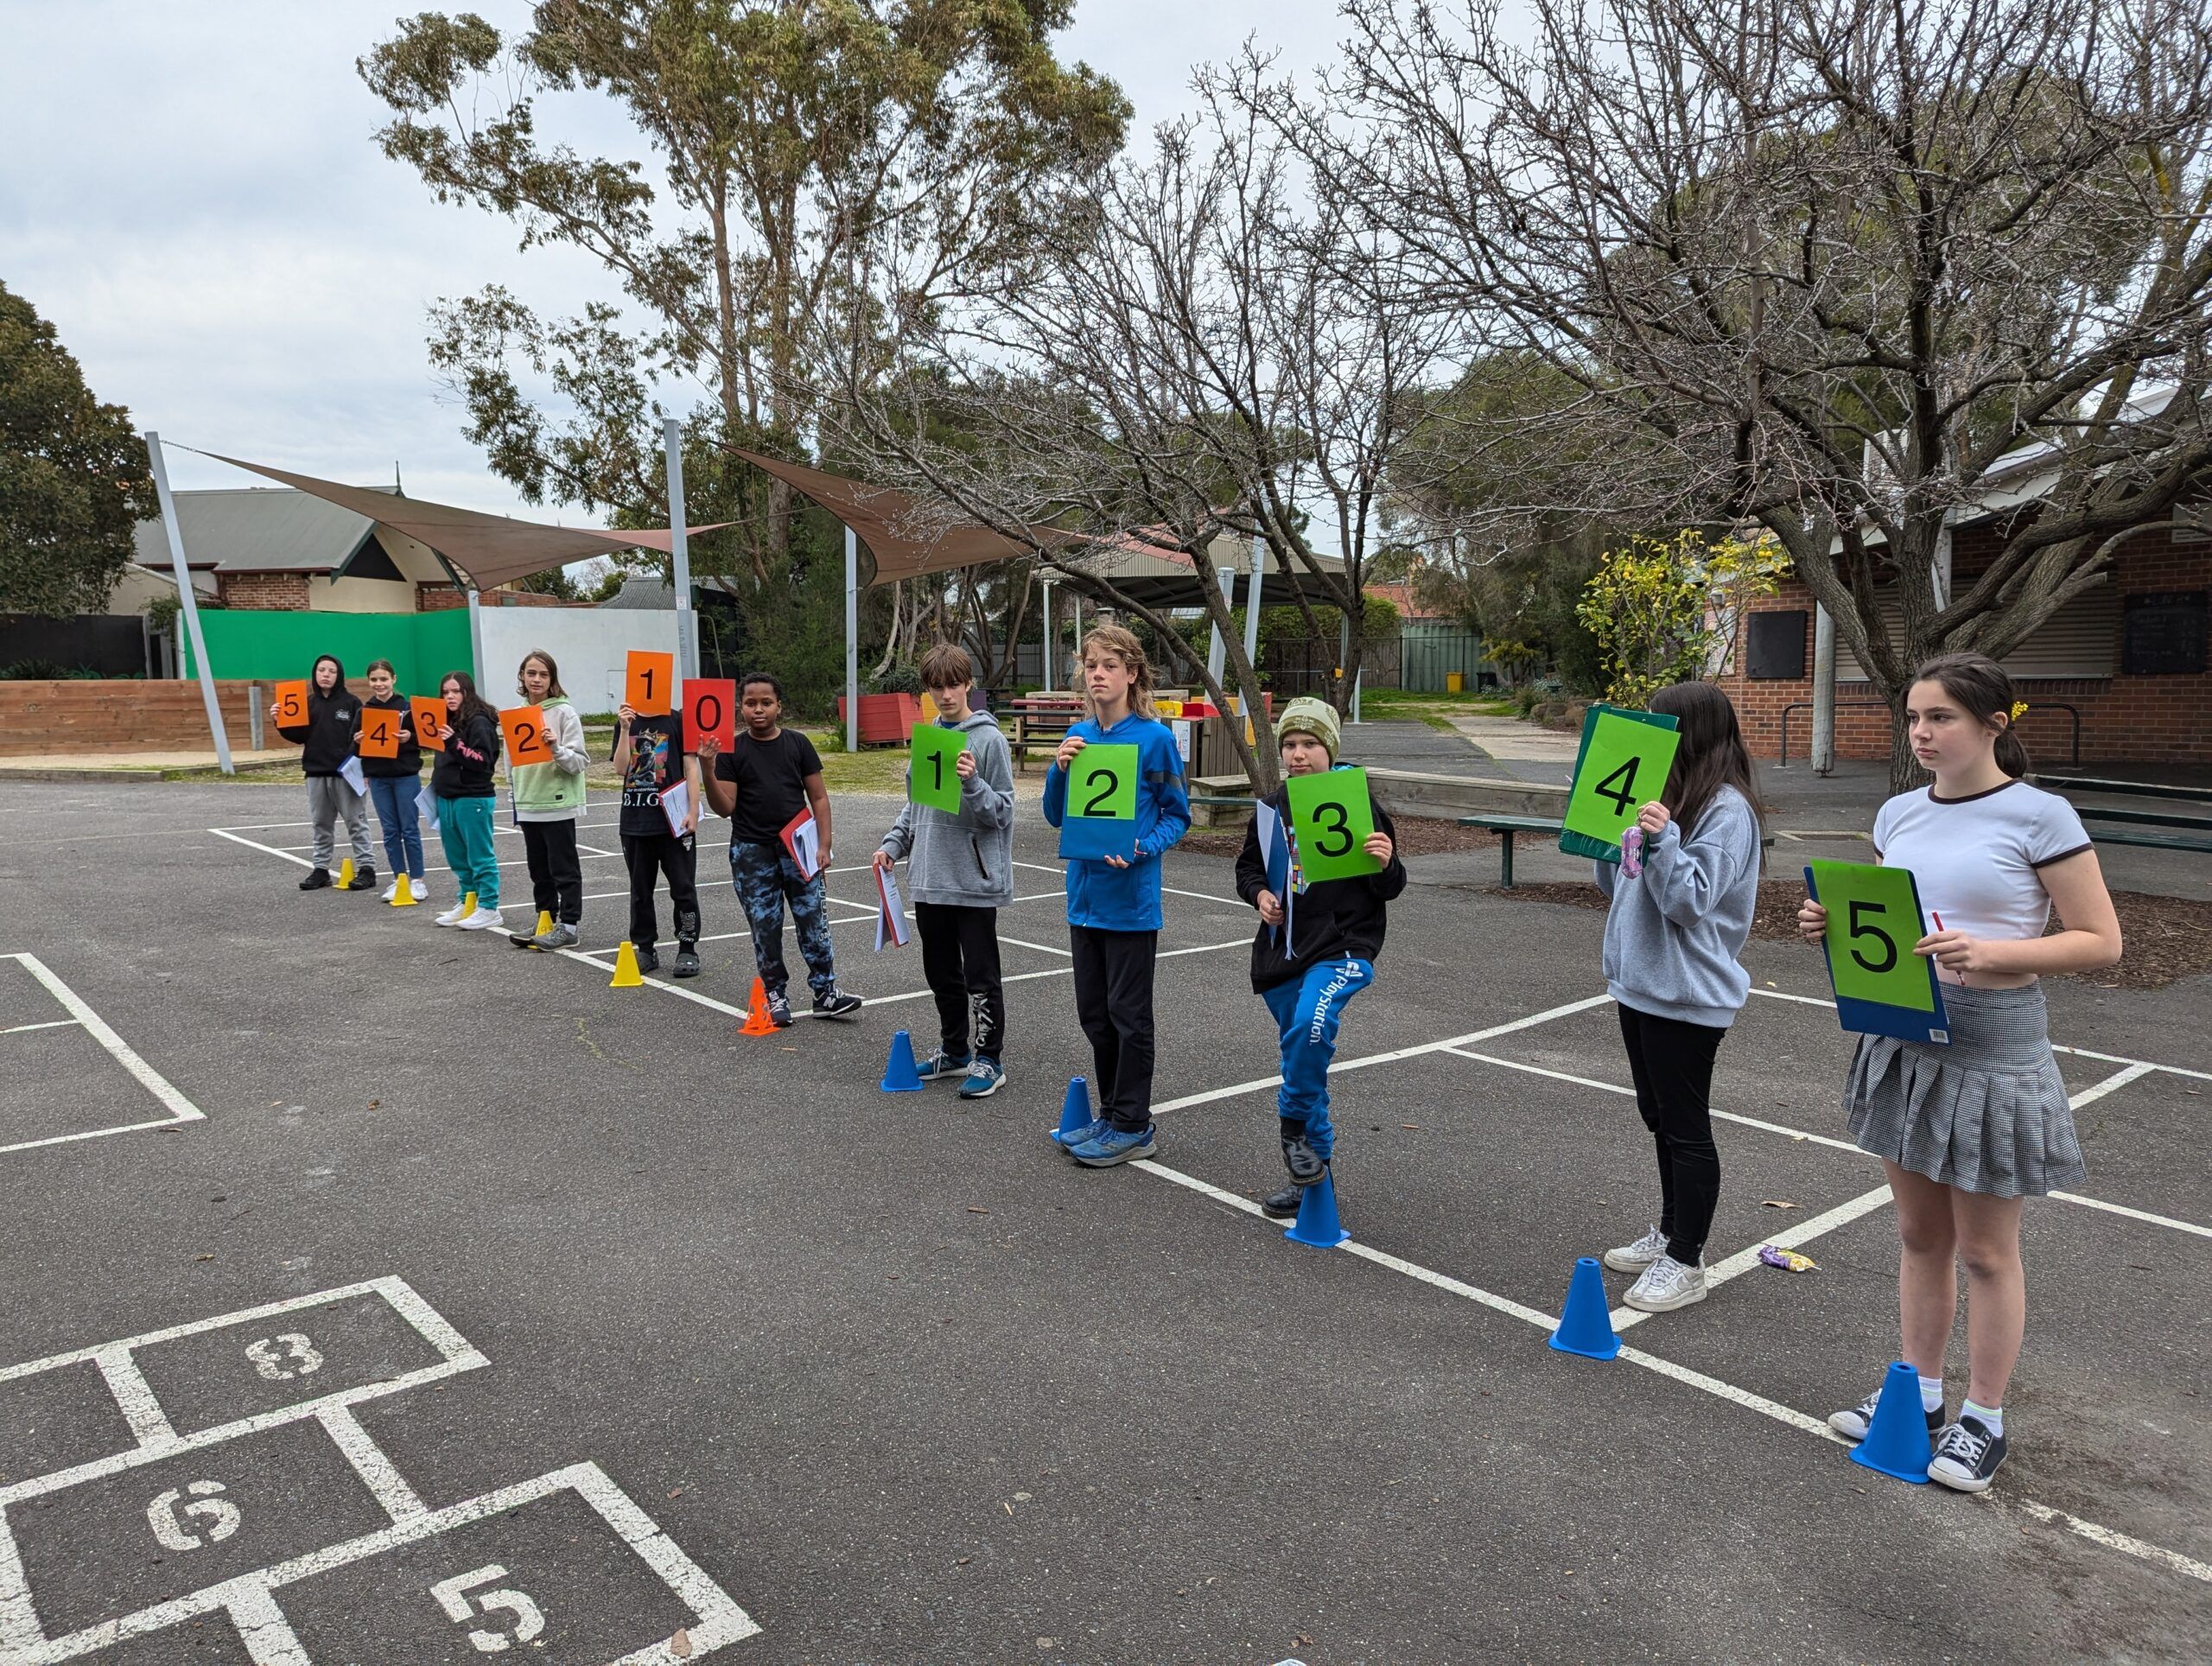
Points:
x=476, y=632
x=191, y=606
x=1252, y=604
x=1823, y=691
x=679, y=552
x=852, y=641
x=1215, y=651
x=1052, y=645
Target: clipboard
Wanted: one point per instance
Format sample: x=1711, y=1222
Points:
x=1867, y=1017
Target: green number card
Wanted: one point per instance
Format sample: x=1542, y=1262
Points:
x=931, y=777
x=1873, y=921
x=1101, y=807
x=1622, y=766
x=1331, y=816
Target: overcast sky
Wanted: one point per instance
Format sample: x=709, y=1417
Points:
x=191, y=195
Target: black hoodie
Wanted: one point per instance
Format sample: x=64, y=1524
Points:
x=464, y=768
x=1330, y=919
x=409, y=761
x=326, y=739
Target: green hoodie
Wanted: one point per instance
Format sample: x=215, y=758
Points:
x=555, y=791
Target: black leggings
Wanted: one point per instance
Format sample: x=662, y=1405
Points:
x=557, y=874
x=1672, y=1063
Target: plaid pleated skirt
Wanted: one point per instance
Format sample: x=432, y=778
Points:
x=1987, y=1114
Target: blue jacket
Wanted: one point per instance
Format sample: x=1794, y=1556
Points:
x=1127, y=898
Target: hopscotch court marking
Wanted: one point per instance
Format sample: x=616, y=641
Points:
x=179, y=1108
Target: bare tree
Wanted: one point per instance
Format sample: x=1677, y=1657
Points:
x=1208, y=345
x=1852, y=270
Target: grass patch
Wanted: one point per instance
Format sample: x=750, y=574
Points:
x=1437, y=710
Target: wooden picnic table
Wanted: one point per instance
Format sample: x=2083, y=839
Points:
x=1042, y=720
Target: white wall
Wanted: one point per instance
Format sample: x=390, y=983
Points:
x=590, y=645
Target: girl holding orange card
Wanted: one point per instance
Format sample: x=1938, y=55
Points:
x=395, y=779
x=462, y=781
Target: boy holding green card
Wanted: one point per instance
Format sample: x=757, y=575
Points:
x=1321, y=863
x=957, y=834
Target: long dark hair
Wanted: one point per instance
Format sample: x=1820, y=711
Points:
x=1710, y=755
x=1983, y=689
x=472, y=704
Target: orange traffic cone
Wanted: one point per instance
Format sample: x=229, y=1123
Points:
x=757, y=1021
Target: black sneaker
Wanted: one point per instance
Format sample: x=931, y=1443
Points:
x=836, y=1004
x=1305, y=1167
x=1853, y=1424
x=364, y=879
x=1968, y=1455
x=687, y=961
x=649, y=959
x=779, y=1008
x=318, y=881
x=1282, y=1205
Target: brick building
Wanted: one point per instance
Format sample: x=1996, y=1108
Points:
x=2127, y=657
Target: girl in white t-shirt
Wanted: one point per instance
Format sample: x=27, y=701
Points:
x=1968, y=1132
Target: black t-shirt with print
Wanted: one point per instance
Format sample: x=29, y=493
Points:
x=656, y=752
x=770, y=779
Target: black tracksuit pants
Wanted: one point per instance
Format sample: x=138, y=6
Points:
x=556, y=875
x=1672, y=1064
x=960, y=959
x=1113, y=1001
x=649, y=856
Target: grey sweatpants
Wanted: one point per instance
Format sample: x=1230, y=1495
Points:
x=329, y=798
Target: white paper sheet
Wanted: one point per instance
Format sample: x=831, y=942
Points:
x=891, y=917
x=675, y=804
x=350, y=772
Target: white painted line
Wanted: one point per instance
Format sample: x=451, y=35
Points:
x=268, y=1638
x=1744, y=1260
x=1043, y=948
x=50, y=1024
x=1260, y=1082
x=400, y=1501
x=134, y=1397
x=1172, y=891
x=720, y=1621
x=2111, y=1540
x=265, y=849
x=2145, y=1215
x=2119, y=1079
x=180, y=1108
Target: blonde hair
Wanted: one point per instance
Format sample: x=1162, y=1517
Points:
x=1119, y=642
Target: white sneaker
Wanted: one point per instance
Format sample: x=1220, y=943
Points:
x=1635, y=1257
x=454, y=915
x=1665, y=1286
x=389, y=889
x=484, y=919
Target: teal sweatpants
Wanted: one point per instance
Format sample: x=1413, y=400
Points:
x=465, y=830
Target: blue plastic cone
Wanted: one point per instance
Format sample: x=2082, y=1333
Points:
x=1317, y=1224
x=1075, y=1110
x=899, y=1075
x=1586, y=1325
x=1896, y=1441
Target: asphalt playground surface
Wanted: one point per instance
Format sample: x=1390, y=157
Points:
x=396, y=1296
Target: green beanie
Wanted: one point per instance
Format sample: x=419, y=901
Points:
x=1306, y=715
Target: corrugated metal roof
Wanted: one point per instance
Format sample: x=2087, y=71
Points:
x=256, y=529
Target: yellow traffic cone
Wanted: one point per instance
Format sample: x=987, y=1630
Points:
x=403, y=894
x=626, y=975
x=544, y=924
x=468, y=904
x=346, y=873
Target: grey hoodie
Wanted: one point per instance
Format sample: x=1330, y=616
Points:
x=965, y=861
x=1674, y=932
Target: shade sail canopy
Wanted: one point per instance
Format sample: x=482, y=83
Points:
x=489, y=549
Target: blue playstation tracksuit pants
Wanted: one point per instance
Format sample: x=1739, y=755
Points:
x=1307, y=1013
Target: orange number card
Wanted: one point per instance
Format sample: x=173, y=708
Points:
x=292, y=702
x=710, y=708
x=427, y=712
x=524, y=727
x=647, y=688
x=380, y=732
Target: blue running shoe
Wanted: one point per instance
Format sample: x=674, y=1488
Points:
x=942, y=1067
x=1096, y=1129
x=1112, y=1146
x=983, y=1081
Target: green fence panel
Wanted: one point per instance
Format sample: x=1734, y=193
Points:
x=1430, y=649
x=264, y=647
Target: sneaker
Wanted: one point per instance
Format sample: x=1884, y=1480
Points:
x=1282, y=1205
x=836, y=1004
x=1853, y=1424
x=454, y=915
x=1635, y=1257
x=687, y=961
x=648, y=959
x=386, y=894
x=1967, y=1456
x=983, y=1081
x=562, y=936
x=1665, y=1286
x=364, y=879
x=1097, y=1129
x=318, y=881
x=779, y=1008
x=1306, y=1166
x=942, y=1066
x=484, y=919
x=1113, y=1147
